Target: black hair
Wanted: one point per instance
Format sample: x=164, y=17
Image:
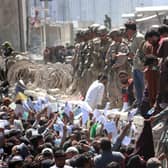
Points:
x=59, y=152
x=135, y=161
x=151, y=33
x=163, y=29
x=131, y=26
x=14, y=164
x=19, y=101
x=80, y=161
x=105, y=144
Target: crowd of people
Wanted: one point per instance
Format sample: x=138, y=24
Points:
x=36, y=133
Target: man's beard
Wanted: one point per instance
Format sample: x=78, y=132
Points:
x=124, y=81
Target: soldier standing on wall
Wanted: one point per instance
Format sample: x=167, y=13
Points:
x=7, y=51
x=107, y=22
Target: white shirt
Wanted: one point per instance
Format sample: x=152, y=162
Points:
x=94, y=95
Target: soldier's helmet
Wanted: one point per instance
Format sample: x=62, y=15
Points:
x=130, y=25
x=94, y=27
x=114, y=32
x=102, y=30
x=79, y=34
x=6, y=44
x=85, y=31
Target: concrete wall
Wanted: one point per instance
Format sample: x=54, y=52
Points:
x=53, y=35
x=59, y=34
x=67, y=33
x=11, y=23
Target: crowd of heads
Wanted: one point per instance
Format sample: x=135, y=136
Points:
x=46, y=139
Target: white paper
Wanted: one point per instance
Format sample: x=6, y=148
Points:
x=30, y=103
x=85, y=116
x=78, y=116
x=61, y=125
x=49, y=110
x=106, y=108
x=12, y=106
x=77, y=113
x=110, y=126
x=59, y=121
x=4, y=123
x=67, y=108
x=115, y=110
x=84, y=105
x=125, y=106
x=112, y=112
x=57, y=127
x=43, y=100
x=101, y=119
x=131, y=114
x=26, y=106
x=151, y=111
x=96, y=114
x=34, y=132
x=126, y=141
x=19, y=109
x=1, y=151
x=37, y=106
x=41, y=104
x=54, y=107
x=69, y=129
x=18, y=125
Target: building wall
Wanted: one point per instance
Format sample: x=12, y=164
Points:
x=9, y=22
x=94, y=10
x=12, y=27
x=59, y=34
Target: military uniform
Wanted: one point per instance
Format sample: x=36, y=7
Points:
x=100, y=46
x=116, y=60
